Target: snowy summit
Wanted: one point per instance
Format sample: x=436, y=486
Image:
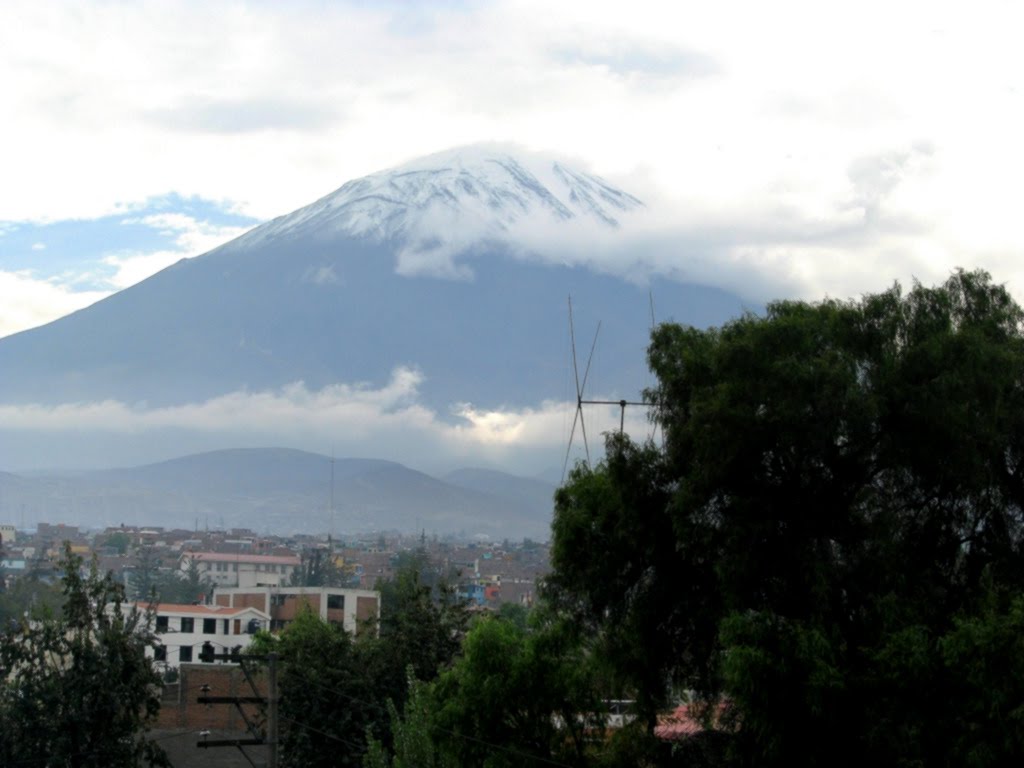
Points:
x=436, y=207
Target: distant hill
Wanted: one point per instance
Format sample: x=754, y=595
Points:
x=282, y=491
x=532, y=492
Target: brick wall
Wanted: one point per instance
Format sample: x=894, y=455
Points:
x=179, y=709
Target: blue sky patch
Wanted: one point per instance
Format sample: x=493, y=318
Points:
x=63, y=249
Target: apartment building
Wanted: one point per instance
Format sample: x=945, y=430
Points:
x=241, y=569
x=182, y=630
x=351, y=609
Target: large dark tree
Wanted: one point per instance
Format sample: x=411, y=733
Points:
x=831, y=535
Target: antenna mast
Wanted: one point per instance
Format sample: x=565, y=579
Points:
x=330, y=538
x=581, y=385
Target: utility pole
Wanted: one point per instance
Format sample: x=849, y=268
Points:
x=272, y=710
x=269, y=738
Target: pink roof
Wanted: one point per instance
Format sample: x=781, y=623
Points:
x=238, y=557
x=679, y=723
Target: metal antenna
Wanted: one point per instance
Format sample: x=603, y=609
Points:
x=654, y=428
x=578, y=414
x=330, y=536
x=580, y=402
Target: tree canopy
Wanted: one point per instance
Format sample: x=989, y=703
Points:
x=76, y=689
x=326, y=699
x=830, y=537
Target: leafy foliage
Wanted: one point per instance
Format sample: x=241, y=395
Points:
x=183, y=587
x=154, y=580
x=421, y=625
x=318, y=569
x=335, y=691
x=28, y=598
x=516, y=696
x=323, y=693
x=119, y=541
x=77, y=690
x=520, y=694
x=839, y=498
x=412, y=735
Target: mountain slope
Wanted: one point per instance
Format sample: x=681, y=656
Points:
x=427, y=267
x=324, y=296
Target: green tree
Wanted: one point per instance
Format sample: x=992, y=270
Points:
x=421, y=627
x=984, y=657
x=318, y=569
x=183, y=587
x=515, y=697
x=520, y=694
x=841, y=487
x=326, y=697
x=77, y=689
x=412, y=734
x=119, y=540
x=28, y=599
x=145, y=577
x=619, y=572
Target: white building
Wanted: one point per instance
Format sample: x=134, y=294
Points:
x=182, y=630
x=8, y=534
x=241, y=569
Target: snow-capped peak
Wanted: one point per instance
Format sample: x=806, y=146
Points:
x=457, y=197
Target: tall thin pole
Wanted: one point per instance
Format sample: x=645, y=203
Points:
x=272, y=728
x=332, y=502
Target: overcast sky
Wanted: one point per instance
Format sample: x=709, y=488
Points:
x=785, y=147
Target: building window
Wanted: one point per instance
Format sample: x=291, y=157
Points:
x=209, y=626
x=188, y=625
x=160, y=653
x=336, y=602
x=161, y=624
x=185, y=653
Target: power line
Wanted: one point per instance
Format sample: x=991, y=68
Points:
x=483, y=742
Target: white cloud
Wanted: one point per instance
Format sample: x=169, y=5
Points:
x=325, y=274
x=355, y=418
x=29, y=301
x=192, y=238
x=785, y=139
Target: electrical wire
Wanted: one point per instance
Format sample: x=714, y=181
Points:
x=483, y=742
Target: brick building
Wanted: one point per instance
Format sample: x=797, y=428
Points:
x=348, y=608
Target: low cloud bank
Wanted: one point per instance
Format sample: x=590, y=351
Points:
x=350, y=419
